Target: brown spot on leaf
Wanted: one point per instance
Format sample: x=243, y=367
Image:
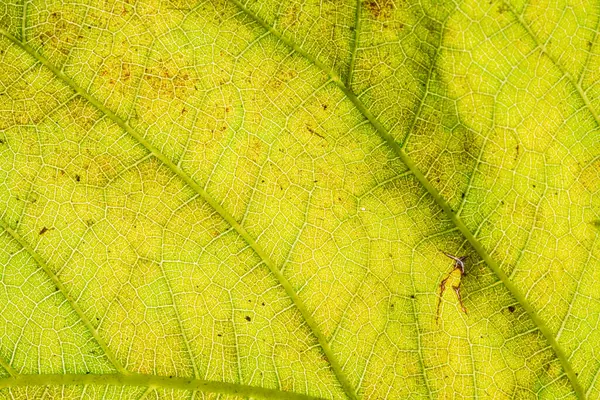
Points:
x=44, y=230
x=248, y=318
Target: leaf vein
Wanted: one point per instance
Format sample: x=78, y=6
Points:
x=152, y=381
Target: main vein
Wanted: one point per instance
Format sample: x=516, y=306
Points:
x=297, y=301
x=439, y=199
x=170, y=382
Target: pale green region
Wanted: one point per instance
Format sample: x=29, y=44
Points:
x=33, y=342
x=539, y=158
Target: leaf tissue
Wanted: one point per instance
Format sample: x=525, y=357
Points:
x=308, y=199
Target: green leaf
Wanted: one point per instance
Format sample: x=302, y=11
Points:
x=262, y=199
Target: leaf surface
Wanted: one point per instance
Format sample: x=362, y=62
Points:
x=225, y=199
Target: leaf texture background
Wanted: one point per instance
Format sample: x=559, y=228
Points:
x=251, y=199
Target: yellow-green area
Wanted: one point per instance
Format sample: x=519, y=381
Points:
x=252, y=199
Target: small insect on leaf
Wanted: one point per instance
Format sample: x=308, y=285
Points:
x=459, y=266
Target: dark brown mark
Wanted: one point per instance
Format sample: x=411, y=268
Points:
x=511, y=309
x=248, y=318
x=44, y=230
x=315, y=132
x=77, y=178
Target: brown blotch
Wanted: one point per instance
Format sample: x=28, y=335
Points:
x=511, y=309
x=248, y=318
x=44, y=230
x=502, y=8
x=380, y=9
